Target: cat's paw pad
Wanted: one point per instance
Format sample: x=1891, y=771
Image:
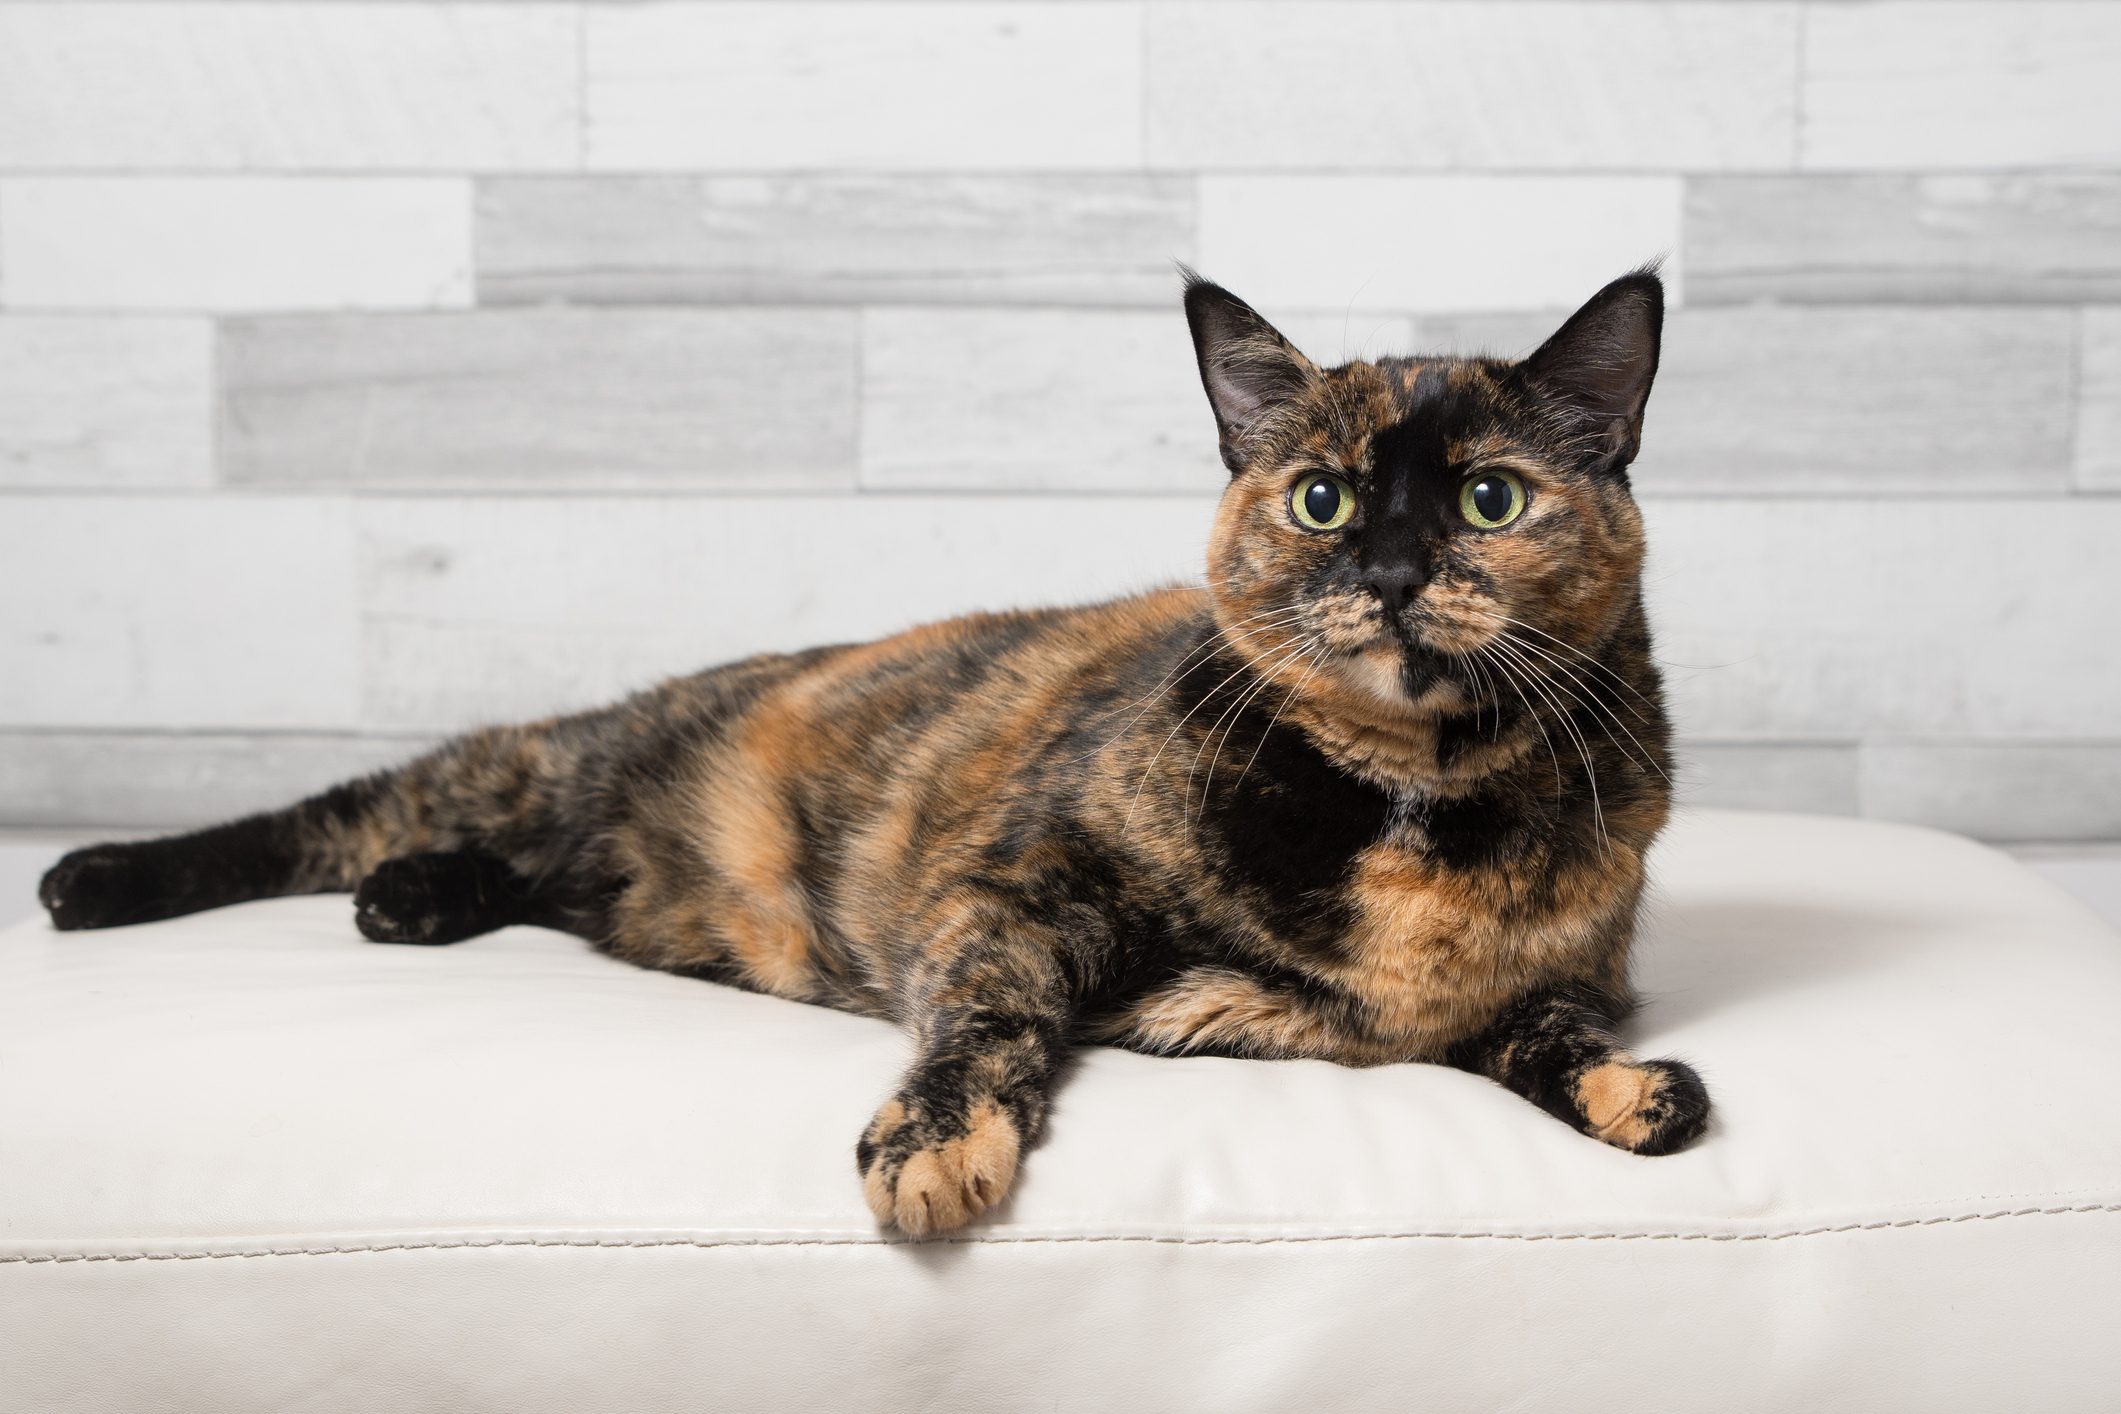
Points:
x=101, y=886
x=1645, y=1107
x=925, y=1179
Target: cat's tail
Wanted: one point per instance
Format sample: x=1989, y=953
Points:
x=492, y=816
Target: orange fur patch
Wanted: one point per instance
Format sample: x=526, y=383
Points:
x=1613, y=1098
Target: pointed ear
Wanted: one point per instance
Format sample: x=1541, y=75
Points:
x=1248, y=368
x=1600, y=364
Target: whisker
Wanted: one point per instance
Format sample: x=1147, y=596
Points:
x=1563, y=643
x=1502, y=670
x=1236, y=714
x=1317, y=656
x=1590, y=701
x=1206, y=698
x=1205, y=654
x=1583, y=749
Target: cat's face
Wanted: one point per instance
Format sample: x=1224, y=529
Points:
x=1427, y=532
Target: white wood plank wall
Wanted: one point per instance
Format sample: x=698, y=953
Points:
x=373, y=368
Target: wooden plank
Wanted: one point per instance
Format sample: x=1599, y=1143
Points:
x=1034, y=400
x=235, y=243
x=177, y=611
x=222, y=86
x=1817, y=778
x=936, y=87
x=1462, y=84
x=1781, y=401
x=2065, y=790
x=1432, y=243
x=1876, y=616
x=481, y=610
x=1965, y=237
x=833, y=239
x=2027, y=83
x=123, y=402
x=543, y=397
x=162, y=780
x=2098, y=445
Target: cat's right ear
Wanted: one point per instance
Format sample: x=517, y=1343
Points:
x=1248, y=368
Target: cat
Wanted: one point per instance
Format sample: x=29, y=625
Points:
x=1380, y=792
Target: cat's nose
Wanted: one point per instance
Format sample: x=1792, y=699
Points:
x=1395, y=584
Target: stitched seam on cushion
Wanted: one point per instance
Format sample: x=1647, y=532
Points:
x=1006, y=1241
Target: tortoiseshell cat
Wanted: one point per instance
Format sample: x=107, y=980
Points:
x=1380, y=792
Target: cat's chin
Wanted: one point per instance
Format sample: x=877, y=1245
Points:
x=1405, y=679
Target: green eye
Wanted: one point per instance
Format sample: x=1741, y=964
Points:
x=1322, y=502
x=1492, y=499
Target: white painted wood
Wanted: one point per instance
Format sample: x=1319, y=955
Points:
x=345, y=86
x=163, y=780
x=235, y=243
x=733, y=398
x=1934, y=238
x=926, y=84
x=834, y=239
x=1034, y=399
x=1784, y=621
x=2067, y=790
x=1783, y=401
x=479, y=610
x=124, y=402
x=177, y=611
x=1817, y=779
x=1434, y=243
x=1543, y=84
x=1987, y=83
x=2098, y=447
x=1040, y=400
x=1827, y=619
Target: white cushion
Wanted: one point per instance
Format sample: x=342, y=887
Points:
x=249, y=1161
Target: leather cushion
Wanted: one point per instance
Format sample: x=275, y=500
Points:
x=250, y=1161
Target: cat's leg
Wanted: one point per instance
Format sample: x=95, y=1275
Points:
x=446, y=897
x=1557, y=1048
x=305, y=848
x=991, y=1033
x=508, y=790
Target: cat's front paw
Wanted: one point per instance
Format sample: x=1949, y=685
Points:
x=926, y=1177
x=1645, y=1107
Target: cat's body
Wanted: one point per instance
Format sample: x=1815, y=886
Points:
x=1269, y=818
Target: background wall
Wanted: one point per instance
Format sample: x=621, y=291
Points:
x=368, y=370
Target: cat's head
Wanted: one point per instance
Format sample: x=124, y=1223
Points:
x=1396, y=527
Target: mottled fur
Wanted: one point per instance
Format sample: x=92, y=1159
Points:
x=1375, y=794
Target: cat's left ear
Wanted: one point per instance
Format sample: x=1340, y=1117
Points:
x=1599, y=365
x=1248, y=368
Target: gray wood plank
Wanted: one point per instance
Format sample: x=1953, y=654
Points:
x=156, y=780
x=1861, y=617
x=1986, y=238
x=966, y=86
x=1034, y=400
x=2064, y=790
x=1788, y=400
x=143, y=611
x=1320, y=85
x=1819, y=778
x=481, y=609
x=833, y=239
x=220, y=86
x=105, y=402
x=2098, y=451
x=542, y=397
x=1974, y=84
